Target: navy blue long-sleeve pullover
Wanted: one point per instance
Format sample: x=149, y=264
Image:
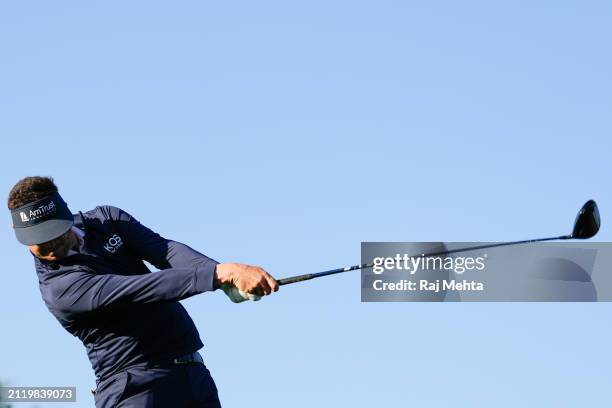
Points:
x=124, y=314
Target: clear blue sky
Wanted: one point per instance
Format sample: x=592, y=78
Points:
x=291, y=132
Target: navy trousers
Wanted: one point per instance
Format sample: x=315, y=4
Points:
x=180, y=386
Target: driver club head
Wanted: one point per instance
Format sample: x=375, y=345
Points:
x=587, y=222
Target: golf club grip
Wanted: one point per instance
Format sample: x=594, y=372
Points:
x=295, y=279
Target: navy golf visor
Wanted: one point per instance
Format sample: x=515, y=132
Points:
x=42, y=220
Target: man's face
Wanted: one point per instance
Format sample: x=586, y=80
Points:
x=56, y=248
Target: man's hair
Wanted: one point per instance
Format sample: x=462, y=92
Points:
x=30, y=189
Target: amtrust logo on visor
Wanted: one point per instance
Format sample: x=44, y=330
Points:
x=42, y=220
x=41, y=211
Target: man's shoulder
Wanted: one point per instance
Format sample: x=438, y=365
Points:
x=103, y=212
x=57, y=287
x=53, y=277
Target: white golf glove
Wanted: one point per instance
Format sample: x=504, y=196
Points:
x=236, y=295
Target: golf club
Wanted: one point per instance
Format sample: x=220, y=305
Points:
x=586, y=225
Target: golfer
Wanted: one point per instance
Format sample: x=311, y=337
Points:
x=141, y=342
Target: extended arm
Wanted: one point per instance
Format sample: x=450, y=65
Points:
x=164, y=253
x=85, y=291
x=152, y=247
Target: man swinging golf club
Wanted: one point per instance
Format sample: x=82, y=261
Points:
x=141, y=342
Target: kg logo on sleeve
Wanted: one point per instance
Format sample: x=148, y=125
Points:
x=113, y=244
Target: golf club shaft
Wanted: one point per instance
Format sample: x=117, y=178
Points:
x=308, y=276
